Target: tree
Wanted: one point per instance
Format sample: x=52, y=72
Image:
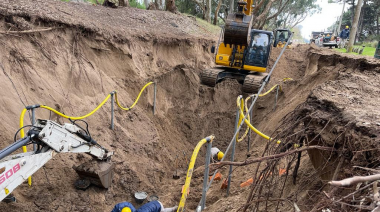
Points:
x=216, y=14
x=146, y=2
x=289, y=13
x=208, y=11
x=354, y=25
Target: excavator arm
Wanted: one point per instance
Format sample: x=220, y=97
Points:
x=51, y=139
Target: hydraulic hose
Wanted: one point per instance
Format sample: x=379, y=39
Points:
x=22, y=135
x=137, y=99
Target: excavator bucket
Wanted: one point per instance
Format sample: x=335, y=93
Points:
x=99, y=173
x=236, y=29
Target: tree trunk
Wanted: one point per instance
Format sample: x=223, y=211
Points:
x=341, y=17
x=354, y=27
x=217, y=12
x=353, y=11
x=377, y=24
x=208, y=11
x=146, y=2
x=360, y=25
x=159, y=4
x=232, y=4
x=170, y=6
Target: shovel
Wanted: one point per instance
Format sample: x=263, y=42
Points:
x=175, y=175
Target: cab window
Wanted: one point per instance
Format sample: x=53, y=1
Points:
x=257, y=54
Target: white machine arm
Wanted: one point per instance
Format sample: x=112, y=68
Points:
x=51, y=138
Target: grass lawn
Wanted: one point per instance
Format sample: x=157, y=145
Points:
x=369, y=51
x=209, y=27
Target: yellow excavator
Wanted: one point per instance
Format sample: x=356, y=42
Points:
x=281, y=37
x=242, y=53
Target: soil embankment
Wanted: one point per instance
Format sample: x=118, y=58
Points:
x=91, y=51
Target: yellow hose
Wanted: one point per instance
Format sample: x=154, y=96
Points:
x=137, y=99
x=286, y=79
x=270, y=90
x=246, y=120
x=181, y=206
x=22, y=134
x=241, y=106
x=256, y=130
x=80, y=117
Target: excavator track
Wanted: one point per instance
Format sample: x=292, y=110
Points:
x=252, y=83
x=210, y=76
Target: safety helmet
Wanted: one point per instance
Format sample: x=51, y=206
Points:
x=126, y=209
x=220, y=155
x=347, y=27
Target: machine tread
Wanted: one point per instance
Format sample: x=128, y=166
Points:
x=210, y=76
x=252, y=82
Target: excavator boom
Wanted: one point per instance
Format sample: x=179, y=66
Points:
x=52, y=138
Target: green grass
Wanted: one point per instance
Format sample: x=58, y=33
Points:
x=369, y=51
x=214, y=29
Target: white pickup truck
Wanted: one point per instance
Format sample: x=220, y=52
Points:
x=326, y=39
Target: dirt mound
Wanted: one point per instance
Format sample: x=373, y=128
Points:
x=89, y=54
x=113, y=24
x=330, y=102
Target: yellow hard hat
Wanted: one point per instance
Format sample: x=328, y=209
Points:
x=220, y=155
x=347, y=27
x=126, y=209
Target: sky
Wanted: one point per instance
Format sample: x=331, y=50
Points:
x=320, y=21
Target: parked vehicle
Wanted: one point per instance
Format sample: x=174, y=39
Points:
x=327, y=39
x=314, y=36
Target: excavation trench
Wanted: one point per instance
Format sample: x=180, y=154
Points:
x=73, y=67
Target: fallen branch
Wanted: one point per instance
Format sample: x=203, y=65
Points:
x=26, y=31
x=354, y=180
x=270, y=157
x=367, y=169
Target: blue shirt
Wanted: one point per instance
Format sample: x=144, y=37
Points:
x=345, y=33
x=153, y=206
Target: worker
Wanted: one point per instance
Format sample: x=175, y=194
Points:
x=344, y=35
x=281, y=36
x=216, y=154
x=154, y=206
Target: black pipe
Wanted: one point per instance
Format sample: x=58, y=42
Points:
x=11, y=148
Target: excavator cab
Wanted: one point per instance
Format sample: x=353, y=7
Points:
x=281, y=37
x=258, y=51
